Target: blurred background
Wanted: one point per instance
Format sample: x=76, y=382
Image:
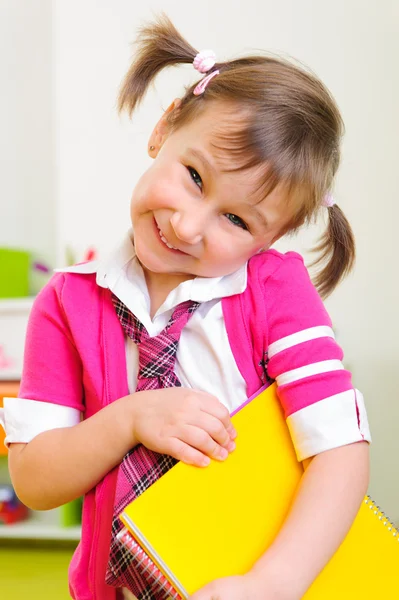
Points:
x=68, y=165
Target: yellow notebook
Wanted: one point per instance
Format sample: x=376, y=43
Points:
x=201, y=524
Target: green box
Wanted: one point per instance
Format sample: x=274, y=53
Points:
x=71, y=513
x=14, y=273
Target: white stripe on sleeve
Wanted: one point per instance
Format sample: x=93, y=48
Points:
x=330, y=423
x=24, y=419
x=312, y=333
x=324, y=366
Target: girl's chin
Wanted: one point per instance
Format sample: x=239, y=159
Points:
x=153, y=264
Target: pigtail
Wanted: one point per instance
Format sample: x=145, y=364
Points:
x=159, y=45
x=337, y=252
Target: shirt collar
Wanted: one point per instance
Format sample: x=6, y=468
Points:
x=122, y=270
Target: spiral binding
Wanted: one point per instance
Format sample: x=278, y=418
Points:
x=144, y=564
x=382, y=517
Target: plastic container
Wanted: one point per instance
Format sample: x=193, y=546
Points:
x=14, y=273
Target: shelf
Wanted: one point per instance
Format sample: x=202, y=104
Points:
x=40, y=527
x=34, y=531
x=15, y=305
x=10, y=375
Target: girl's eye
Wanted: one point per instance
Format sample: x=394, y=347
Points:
x=236, y=221
x=195, y=177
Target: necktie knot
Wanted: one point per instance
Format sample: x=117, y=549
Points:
x=157, y=357
x=157, y=354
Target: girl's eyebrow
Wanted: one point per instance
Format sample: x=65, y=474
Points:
x=208, y=166
x=258, y=214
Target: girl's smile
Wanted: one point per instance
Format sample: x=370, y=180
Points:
x=165, y=241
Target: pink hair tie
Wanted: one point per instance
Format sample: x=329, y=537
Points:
x=328, y=200
x=201, y=86
x=204, y=61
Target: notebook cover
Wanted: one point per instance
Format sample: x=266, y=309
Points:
x=201, y=524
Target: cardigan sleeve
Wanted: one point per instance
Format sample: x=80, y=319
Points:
x=322, y=408
x=52, y=369
x=51, y=390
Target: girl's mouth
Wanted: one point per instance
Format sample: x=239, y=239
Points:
x=165, y=241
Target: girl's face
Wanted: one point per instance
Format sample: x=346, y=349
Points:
x=192, y=218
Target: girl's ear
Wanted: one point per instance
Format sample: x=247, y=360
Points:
x=161, y=130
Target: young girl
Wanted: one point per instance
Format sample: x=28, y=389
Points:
x=137, y=361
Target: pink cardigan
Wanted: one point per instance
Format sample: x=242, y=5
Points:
x=74, y=329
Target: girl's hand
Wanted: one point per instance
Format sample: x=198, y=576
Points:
x=187, y=424
x=241, y=587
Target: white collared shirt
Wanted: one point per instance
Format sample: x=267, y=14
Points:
x=204, y=359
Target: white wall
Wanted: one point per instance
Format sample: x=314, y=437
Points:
x=352, y=45
x=27, y=207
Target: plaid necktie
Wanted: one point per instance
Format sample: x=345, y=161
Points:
x=157, y=355
x=141, y=467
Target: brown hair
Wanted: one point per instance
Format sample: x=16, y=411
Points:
x=292, y=129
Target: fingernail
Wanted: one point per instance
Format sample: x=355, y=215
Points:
x=206, y=461
x=231, y=446
x=223, y=453
x=233, y=434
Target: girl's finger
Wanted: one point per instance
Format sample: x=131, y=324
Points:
x=201, y=440
x=211, y=405
x=215, y=428
x=186, y=453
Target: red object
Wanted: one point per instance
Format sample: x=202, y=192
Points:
x=90, y=254
x=11, y=508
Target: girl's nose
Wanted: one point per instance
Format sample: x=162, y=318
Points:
x=188, y=228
